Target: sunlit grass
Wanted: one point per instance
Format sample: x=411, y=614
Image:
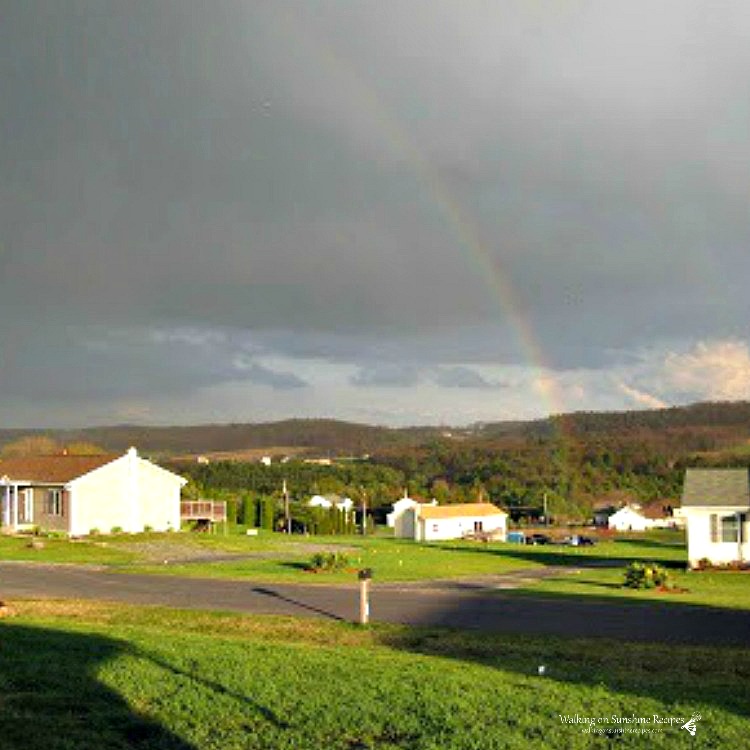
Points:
x=76, y=675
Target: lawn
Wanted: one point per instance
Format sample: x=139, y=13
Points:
x=270, y=557
x=172, y=680
x=709, y=588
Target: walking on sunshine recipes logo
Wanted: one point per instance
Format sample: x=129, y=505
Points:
x=617, y=724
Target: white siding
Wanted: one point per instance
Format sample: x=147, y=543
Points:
x=129, y=493
x=700, y=545
x=103, y=499
x=627, y=519
x=159, y=495
x=434, y=529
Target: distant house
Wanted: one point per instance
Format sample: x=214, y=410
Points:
x=331, y=501
x=401, y=522
x=435, y=522
x=629, y=518
x=75, y=494
x=716, y=508
x=662, y=516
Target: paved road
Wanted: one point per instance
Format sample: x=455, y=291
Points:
x=459, y=606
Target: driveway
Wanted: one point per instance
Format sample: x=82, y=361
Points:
x=471, y=606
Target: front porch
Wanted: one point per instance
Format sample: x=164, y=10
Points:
x=17, y=507
x=24, y=507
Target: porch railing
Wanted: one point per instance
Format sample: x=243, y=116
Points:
x=203, y=510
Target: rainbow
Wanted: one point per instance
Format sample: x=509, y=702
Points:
x=456, y=217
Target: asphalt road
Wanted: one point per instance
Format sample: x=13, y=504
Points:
x=460, y=606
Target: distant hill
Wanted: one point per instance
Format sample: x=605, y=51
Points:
x=724, y=414
x=715, y=424
x=317, y=435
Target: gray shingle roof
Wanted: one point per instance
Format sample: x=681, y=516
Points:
x=716, y=487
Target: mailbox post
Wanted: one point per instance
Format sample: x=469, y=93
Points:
x=365, y=576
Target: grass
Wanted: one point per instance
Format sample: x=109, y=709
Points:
x=91, y=551
x=709, y=588
x=147, y=677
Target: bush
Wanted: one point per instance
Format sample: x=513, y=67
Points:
x=328, y=561
x=640, y=575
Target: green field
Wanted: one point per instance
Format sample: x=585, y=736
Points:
x=87, y=676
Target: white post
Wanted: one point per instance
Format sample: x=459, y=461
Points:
x=6, y=506
x=364, y=576
x=14, y=509
x=739, y=537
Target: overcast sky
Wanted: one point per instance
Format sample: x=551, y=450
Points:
x=387, y=211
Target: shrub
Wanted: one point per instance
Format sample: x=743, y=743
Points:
x=328, y=561
x=116, y=530
x=640, y=575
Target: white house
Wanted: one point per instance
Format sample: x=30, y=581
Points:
x=332, y=501
x=76, y=494
x=716, y=508
x=629, y=518
x=435, y=522
x=401, y=522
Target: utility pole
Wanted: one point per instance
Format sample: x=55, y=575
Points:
x=287, y=517
x=546, y=520
x=363, y=494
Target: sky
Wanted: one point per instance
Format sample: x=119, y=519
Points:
x=391, y=212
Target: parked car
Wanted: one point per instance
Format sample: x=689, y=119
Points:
x=538, y=539
x=577, y=540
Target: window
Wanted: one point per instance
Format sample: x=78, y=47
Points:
x=725, y=528
x=729, y=529
x=477, y=525
x=435, y=527
x=54, y=503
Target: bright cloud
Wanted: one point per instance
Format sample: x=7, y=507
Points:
x=718, y=370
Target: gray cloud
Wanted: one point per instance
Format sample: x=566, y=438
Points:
x=463, y=377
x=386, y=375
x=384, y=182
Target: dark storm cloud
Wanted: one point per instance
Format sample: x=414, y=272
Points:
x=359, y=183
x=100, y=363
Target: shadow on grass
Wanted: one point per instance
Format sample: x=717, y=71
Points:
x=563, y=557
x=297, y=603
x=51, y=696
